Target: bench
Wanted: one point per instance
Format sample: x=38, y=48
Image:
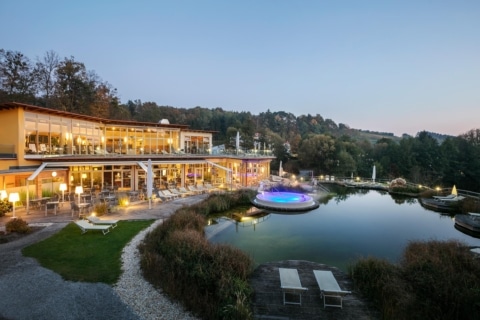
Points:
x=290, y=284
x=329, y=288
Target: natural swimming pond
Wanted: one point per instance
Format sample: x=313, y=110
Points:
x=361, y=224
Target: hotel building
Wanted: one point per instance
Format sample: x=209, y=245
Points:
x=41, y=149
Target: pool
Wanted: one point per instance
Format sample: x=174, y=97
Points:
x=347, y=227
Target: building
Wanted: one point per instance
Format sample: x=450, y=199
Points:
x=42, y=149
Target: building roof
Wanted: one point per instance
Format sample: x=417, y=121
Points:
x=61, y=113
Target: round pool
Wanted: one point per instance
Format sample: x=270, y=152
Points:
x=285, y=201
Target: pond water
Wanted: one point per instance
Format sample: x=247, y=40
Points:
x=347, y=227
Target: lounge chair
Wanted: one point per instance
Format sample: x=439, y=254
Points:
x=329, y=289
x=290, y=284
x=177, y=192
x=167, y=192
x=32, y=148
x=84, y=225
x=194, y=189
x=185, y=191
x=163, y=196
x=95, y=220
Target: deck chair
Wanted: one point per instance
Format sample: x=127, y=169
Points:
x=96, y=220
x=84, y=225
x=32, y=148
x=177, y=192
x=43, y=148
x=195, y=190
x=164, y=196
x=330, y=291
x=169, y=193
x=185, y=191
x=290, y=284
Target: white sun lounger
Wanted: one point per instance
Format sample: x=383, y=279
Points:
x=290, y=284
x=85, y=226
x=96, y=220
x=329, y=288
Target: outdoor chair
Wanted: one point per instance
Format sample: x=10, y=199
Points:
x=84, y=225
x=95, y=220
x=330, y=292
x=290, y=284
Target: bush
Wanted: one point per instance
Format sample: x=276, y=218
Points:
x=5, y=207
x=100, y=209
x=435, y=280
x=211, y=280
x=17, y=225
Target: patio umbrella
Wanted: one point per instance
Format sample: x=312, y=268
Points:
x=237, y=141
x=149, y=182
x=454, y=190
x=374, y=173
x=280, y=170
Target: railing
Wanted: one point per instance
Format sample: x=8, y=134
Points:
x=7, y=151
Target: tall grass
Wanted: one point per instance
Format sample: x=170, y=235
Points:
x=435, y=280
x=210, y=280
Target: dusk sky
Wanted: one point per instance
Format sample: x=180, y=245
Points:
x=390, y=66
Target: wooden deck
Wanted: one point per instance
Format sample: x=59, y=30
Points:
x=268, y=298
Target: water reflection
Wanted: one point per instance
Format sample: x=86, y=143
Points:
x=353, y=224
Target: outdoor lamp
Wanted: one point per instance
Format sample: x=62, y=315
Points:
x=14, y=197
x=63, y=188
x=79, y=191
x=54, y=174
x=3, y=194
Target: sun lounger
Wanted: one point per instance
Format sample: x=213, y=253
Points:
x=84, y=225
x=290, y=284
x=95, y=220
x=194, y=189
x=185, y=191
x=330, y=291
x=164, y=196
x=167, y=193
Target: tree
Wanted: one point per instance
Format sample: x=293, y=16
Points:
x=45, y=69
x=317, y=152
x=73, y=90
x=17, y=77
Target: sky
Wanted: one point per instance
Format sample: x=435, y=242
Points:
x=388, y=66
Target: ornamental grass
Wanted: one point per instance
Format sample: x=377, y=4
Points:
x=434, y=280
x=210, y=280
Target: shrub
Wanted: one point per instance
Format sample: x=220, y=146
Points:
x=17, y=225
x=211, y=280
x=123, y=201
x=435, y=280
x=5, y=207
x=100, y=209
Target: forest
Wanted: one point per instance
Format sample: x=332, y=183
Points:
x=305, y=142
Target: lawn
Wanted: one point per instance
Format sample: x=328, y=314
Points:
x=91, y=257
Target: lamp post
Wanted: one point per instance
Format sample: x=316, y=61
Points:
x=54, y=174
x=63, y=188
x=79, y=191
x=83, y=176
x=13, y=197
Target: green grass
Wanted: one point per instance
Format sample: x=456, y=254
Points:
x=91, y=257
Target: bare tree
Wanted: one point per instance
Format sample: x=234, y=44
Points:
x=45, y=70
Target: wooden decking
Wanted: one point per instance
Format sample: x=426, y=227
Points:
x=268, y=298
